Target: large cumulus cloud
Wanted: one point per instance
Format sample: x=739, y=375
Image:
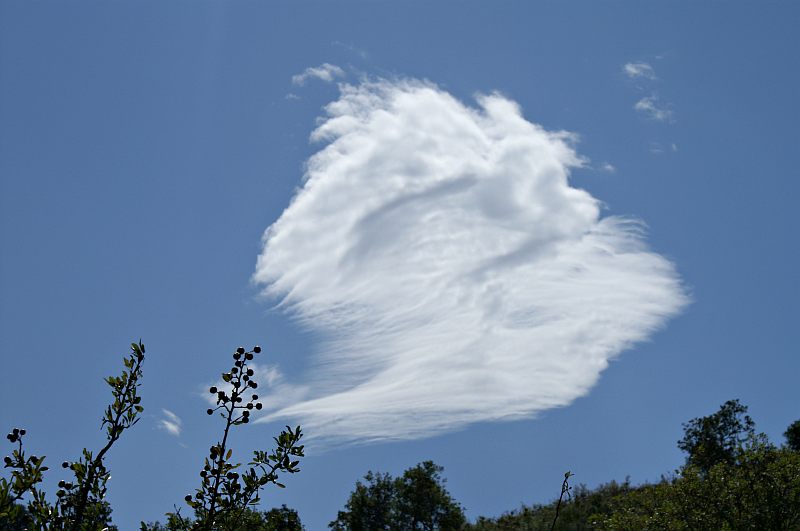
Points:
x=455, y=272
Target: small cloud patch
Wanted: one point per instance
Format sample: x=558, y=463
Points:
x=639, y=70
x=170, y=423
x=325, y=72
x=652, y=108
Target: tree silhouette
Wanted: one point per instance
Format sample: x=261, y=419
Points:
x=718, y=437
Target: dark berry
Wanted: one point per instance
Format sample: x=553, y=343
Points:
x=248, y=356
x=212, y=390
x=257, y=349
x=240, y=350
x=65, y=464
x=210, y=411
x=259, y=406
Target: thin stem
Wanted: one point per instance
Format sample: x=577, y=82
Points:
x=564, y=490
x=223, y=445
x=229, y=421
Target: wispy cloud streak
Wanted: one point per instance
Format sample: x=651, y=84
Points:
x=171, y=423
x=639, y=70
x=325, y=72
x=457, y=274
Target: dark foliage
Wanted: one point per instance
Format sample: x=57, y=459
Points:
x=717, y=437
x=792, y=435
x=278, y=519
x=745, y=483
x=416, y=500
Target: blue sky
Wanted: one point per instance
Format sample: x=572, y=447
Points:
x=145, y=148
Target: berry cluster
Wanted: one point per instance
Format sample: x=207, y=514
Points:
x=15, y=437
x=240, y=377
x=19, y=460
x=15, y=434
x=26, y=473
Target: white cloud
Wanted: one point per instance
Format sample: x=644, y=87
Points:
x=455, y=272
x=651, y=107
x=171, y=423
x=639, y=70
x=608, y=167
x=325, y=72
